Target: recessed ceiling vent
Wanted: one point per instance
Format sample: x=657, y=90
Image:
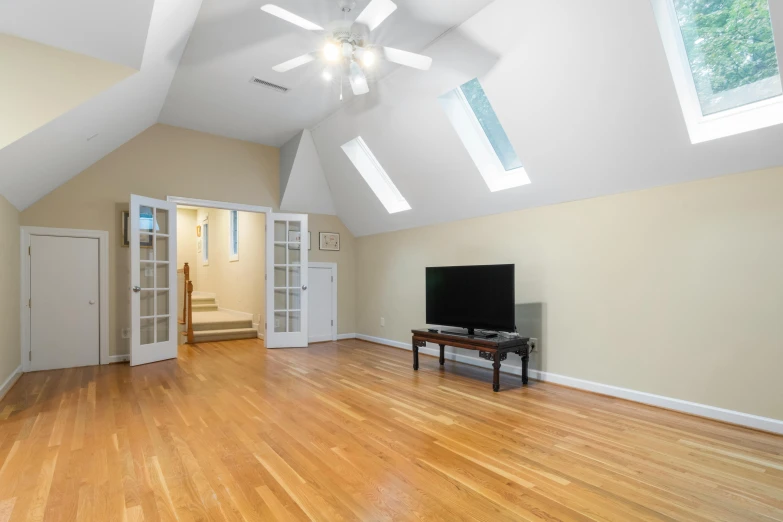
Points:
x=269, y=85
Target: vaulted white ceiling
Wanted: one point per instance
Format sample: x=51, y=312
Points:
x=583, y=90
x=234, y=40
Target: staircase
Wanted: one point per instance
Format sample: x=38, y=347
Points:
x=210, y=324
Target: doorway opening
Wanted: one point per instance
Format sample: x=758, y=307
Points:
x=221, y=262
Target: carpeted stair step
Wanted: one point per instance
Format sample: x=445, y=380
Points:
x=219, y=323
x=204, y=307
x=205, y=336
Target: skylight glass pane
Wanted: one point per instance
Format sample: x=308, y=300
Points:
x=486, y=116
x=371, y=170
x=731, y=51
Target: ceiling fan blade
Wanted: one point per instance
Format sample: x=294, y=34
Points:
x=417, y=61
x=358, y=80
x=288, y=16
x=376, y=12
x=294, y=63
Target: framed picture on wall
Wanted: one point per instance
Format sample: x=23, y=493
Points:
x=145, y=239
x=329, y=241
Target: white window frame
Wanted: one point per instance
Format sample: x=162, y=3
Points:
x=376, y=177
x=702, y=128
x=480, y=149
x=233, y=256
x=205, y=242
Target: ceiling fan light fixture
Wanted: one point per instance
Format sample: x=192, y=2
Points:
x=327, y=75
x=331, y=52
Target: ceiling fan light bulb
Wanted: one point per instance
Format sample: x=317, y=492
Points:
x=331, y=52
x=368, y=59
x=327, y=75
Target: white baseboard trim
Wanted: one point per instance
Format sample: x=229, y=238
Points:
x=340, y=337
x=10, y=381
x=669, y=403
x=320, y=339
x=119, y=358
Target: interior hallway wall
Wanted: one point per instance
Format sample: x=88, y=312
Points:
x=239, y=285
x=186, y=241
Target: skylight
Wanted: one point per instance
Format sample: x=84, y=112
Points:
x=724, y=62
x=371, y=170
x=479, y=128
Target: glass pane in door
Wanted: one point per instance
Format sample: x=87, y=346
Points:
x=154, y=274
x=287, y=280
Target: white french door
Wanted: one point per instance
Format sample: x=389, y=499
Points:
x=152, y=234
x=286, y=288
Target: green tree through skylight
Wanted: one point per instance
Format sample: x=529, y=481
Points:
x=729, y=45
x=479, y=102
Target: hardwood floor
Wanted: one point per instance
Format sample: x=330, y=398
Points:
x=347, y=431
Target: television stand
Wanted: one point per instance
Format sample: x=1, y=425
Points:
x=495, y=350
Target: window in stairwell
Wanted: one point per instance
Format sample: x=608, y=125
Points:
x=233, y=236
x=205, y=243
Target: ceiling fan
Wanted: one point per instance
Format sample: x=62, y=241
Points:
x=347, y=50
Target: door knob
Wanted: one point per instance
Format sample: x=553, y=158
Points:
x=92, y=302
x=137, y=289
x=304, y=287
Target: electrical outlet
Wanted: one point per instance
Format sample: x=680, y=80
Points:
x=125, y=333
x=383, y=322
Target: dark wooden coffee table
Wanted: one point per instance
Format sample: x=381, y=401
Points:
x=495, y=349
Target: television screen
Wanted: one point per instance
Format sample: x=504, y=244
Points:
x=471, y=297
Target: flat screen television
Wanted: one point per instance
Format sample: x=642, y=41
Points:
x=472, y=297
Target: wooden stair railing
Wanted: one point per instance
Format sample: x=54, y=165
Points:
x=187, y=307
x=190, y=311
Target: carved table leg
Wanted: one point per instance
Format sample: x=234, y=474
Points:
x=496, y=372
x=442, y=354
x=415, y=356
x=525, y=360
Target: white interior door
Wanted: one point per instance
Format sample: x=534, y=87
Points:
x=286, y=289
x=320, y=322
x=153, y=249
x=64, y=299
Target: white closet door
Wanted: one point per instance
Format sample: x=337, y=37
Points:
x=64, y=299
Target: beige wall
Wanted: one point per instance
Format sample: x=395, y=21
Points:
x=162, y=161
x=10, y=288
x=346, y=266
x=239, y=285
x=676, y=291
x=186, y=241
x=170, y=161
x=40, y=83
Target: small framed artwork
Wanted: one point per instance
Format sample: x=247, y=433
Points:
x=329, y=241
x=125, y=230
x=146, y=239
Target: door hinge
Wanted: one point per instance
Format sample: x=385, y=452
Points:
x=332, y=279
x=29, y=251
x=30, y=303
x=332, y=322
x=30, y=355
